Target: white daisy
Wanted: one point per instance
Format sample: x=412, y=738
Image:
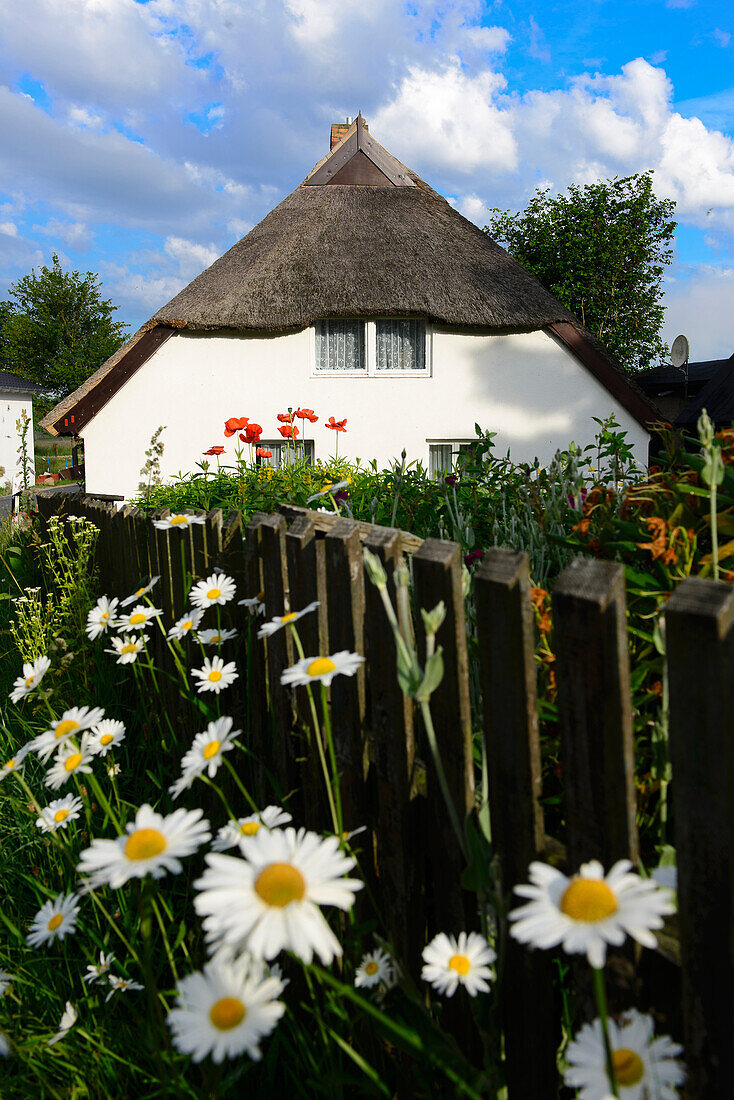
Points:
x=69, y=761
x=269, y=901
x=127, y=648
x=153, y=845
x=142, y=591
x=589, y=911
x=140, y=618
x=106, y=735
x=121, y=985
x=97, y=972
x=5, y=980
x=33, y=673
x=217, y=589
x=205, y=753
x=324, y=669
x=645, y=1067
x=54, y=920
x=71, y=723
x=15, y=762
x=182, y=521
x=224, y=1011
x=100, y=618
x=232, y=834
x=254, y=605
x=215, y=675
x=4, y=1045
x=285, y=620
x=376, y=967
x=59, y=813
x=215, y=637
x=186, y=624
x=68, y=1020
x=451, y=961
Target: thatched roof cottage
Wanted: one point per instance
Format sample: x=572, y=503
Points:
x=364, y=295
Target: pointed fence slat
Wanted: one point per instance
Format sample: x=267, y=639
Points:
x=508, y=679
x=279, y=650
x=595, y=712
x=699, y=620
x=257, y=701
x=345, y=585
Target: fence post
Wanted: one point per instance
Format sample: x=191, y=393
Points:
x=595, y=712
x=257, y=703
x=345, y=585
x=279, y=649
x=507, y=670
x=700, y=651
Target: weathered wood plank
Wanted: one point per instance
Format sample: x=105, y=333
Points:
x=257, y=702
x=508, y=679
x=595, y=712
x=279, y=650
x=699, y=620
x=345, y=585
x=325, y=522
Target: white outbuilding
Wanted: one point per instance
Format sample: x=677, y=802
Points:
x=16, y=398
x=366, y=297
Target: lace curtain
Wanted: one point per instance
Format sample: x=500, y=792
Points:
x=401, y=345
x=340, y=345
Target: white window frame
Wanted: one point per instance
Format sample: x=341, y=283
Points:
x=284, y=445
x=456, y=446
x=370, y=347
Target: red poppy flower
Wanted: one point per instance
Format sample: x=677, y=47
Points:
x=252, y=433
x=289, y=431
x=306, y=414
x=285, y=418
x=235, y=424
x=336, y=425
x=215, y=450
x=261, y=452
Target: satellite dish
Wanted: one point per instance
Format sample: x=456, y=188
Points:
x=680, y=351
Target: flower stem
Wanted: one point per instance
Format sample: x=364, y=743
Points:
x=601, y=1005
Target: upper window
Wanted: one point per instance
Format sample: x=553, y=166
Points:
x=340, y=345
x=399, y=346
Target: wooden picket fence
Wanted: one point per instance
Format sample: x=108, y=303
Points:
x=410, y=857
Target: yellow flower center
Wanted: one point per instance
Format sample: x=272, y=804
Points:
x=66, y=727
x=29, y=682
x=215, y=638
x=215, y=675
x=9, y=766
x=187, y=625
x=460, y=964
x=138, y=618
x=140, y=591
x=629, y=1068
x=588, y=899
x=371, y=968
x=320, y=666
x=227, y=1013
x=145, y=843
x=104, y=616
x=72, y=762
x=60, y=815
x=289, y=617
x=279, y=884
x=214, y=593
x=106, y=738
x=249, y=828
x=175, y=520
x=54, y=923
x=129, y=648
x=211, y=749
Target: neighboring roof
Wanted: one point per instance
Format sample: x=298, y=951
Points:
x=717, y=398
x=10, y=381
x=670, y=375
x=380, y=243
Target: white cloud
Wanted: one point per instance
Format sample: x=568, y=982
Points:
x=76, y=234
x=9, y=229
x=85, y=118
x=537, y=46
x=489, y=39
x=723, y=38
x=191, y=257
x=699, y=305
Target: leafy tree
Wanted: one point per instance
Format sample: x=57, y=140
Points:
x=601, y=249
x=56, y=328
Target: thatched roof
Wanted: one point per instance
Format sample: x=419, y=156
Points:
x=363, y=236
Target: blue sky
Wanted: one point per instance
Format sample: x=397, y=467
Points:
x=141, y=138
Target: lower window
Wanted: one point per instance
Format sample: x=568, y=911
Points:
x=442, y=457
x=281, y=453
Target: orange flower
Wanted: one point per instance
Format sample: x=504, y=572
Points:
x=538, y=595
x=234, y=424
x=582, y=526
x=215, y=450
x=658, y=547
x=306, y=414
x=289, y=431
x=670, y=557
x=336, y=425
x=286, y=418
x=252, y=433
x=544, y=623
x=261, y=452
x=657, y=526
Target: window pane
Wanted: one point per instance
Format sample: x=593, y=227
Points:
x=340, y=345
x=282, y=453
x=439, y=459
x=401, y=345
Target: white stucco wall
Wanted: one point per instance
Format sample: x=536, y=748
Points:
x=525, y=386
x=11, y=406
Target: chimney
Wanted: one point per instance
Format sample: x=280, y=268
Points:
x=339, y=129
